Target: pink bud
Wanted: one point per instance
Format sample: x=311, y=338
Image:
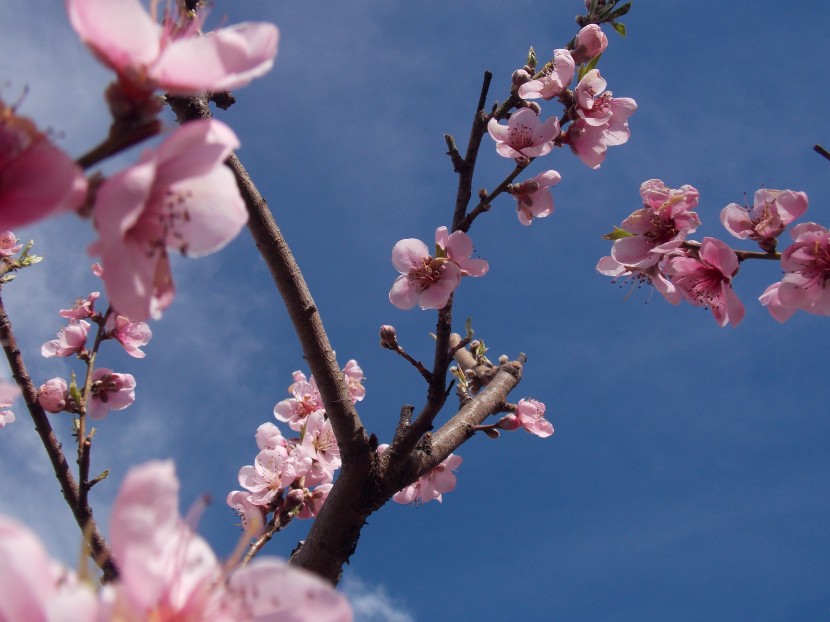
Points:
x=52, y=395
x=590, y=42
x=388, y=337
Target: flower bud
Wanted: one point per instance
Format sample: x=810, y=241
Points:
x=509, y=422
x=491, y=432
x=590, y=42
x=534, y=107
x=52, y=395
x=520, y=76
x=388, y=337
x=294, y=498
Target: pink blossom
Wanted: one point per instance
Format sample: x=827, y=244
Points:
x=766, y=219
x=319, y=442
x=168, y=572
x=306, y=400
x=439, y=480
x=458, y=247
x=171, y=56
x=706, y=280
x=530, y=415
x=37, y=180
x=251, y=515
x=772, y=302
x=8, y=393
x=36, y=588
x=9, y=244
x=82, y=308
x=354, y=376
x=179, y=196
x=602, y=120
x=270, y=473
x=524, y=136
x=553, y=81
x=268, y=436
x=429, y=281
x=424, y=280
x=53, y=395
x=314, y=500
x=590, y=42
x=659, y=227
x=71, y=339
x=652, y=275
x=806, y=282
x=534, y=200
x=131, y=335
x=110, y=391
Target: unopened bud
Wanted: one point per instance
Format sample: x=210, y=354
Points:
x=491, y=432
x=388, y=337
x=503, y=359
x=294, y=498
x=509, y=422
x=519, y=77
x=534, y=107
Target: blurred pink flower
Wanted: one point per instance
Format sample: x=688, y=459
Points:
x=82, y=309
x=174, y=57
x=705, y=280
x=524, y=136
x=168, y=572
x=8, y=393
x=179, y=196
x=36, y=588
x=9, y=244
x=37, y=179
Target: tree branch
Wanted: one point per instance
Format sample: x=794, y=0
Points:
x=98, y=549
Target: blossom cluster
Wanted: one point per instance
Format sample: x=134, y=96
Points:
x=109, y=390
x=651, y=246
x=291, y=477
x=166, y=571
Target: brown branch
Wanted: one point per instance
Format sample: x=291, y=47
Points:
x=98, y=548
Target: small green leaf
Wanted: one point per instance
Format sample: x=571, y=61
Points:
x=619, y=27
x=617, y=234
x=624, y=9
x=468, y=325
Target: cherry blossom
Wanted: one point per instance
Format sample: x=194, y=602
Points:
x=659, y=227
x=590, y=42
x=530, y=415
x=354, y=376
x=148, y=56
x=766, y=219
x=82, y=309
x=429, y=281
x=319, y=441
x=429, y=487
x=53, y=395
x=553, y=81
x=8, y=393
x=168, y=572
x=179, y=196
x=251, y=515
x=306, y=400
x=270, y=473
x=314, y=500
x=37, y=180
x=602, y=120
x=705, y=280
x=9, y=244
x=524, y=136
x=534, y=200
x=131, y=335
x=35, y=587
x=651, y=275
x=110, y=391
x=806, y=282
x=71, y=339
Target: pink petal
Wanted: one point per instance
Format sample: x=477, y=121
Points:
x=404, y=294
x=408, y=254
x=227, y=59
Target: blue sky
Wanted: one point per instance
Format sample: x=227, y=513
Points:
x=687, y=478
